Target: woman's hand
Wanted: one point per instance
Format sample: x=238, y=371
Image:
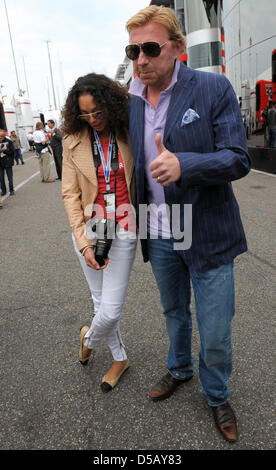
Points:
x=89, y=256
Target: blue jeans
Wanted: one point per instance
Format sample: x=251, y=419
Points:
x=2, y=179
x=214, y=300
x=272, y=139
x=18, y=155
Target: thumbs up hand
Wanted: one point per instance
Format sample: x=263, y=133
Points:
x=165, y=167
x=159, y=144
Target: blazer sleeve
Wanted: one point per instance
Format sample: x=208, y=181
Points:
x=229, y=160
x=71, y=195
x=58, y=135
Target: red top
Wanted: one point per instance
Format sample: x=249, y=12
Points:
x=124, y=215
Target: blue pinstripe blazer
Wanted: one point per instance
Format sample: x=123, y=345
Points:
x=212, y=152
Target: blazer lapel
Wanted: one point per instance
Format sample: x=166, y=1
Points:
x=137, y=129
x=127, y=158
x=180, y=98
x=81, y=146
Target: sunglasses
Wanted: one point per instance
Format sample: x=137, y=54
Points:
x=151, y=49
x=95, y=115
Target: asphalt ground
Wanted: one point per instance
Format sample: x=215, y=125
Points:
x=50, y=401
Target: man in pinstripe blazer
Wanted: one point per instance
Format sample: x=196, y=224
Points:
x=188, y=143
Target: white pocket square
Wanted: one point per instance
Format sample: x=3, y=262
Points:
x=189, y=116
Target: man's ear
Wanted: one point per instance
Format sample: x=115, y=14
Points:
x=180, y=47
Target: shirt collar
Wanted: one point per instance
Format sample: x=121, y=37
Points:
x=138, y=88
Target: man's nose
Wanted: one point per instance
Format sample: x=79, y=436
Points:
x=142, y=58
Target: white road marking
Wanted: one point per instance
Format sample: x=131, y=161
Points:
x=264, y=173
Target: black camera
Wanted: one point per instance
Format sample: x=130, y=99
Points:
x=105, y=230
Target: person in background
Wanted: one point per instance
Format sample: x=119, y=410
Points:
x=247, y=121
x=265, y=126
x=188, y=144
x=30, y=140
x=41, y=147
x=271, y=124
x=17, y=148
x=6, y=163
x=98, y=180
x=56, y=145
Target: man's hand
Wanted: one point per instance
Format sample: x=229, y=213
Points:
x=90, y=260
x=166, y=167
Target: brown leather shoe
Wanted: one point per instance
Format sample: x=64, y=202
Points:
x=165, y=387
x=49, y=181
x=226, y=421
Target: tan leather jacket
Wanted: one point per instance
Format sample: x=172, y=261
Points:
x=80, y=185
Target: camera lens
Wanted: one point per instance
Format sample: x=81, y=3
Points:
x=102, y=250
x=103, y=228
x=99, y=260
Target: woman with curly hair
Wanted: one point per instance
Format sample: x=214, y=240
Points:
x=98, y=193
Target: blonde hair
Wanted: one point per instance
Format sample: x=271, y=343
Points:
x=39, y=125
x=161, y=15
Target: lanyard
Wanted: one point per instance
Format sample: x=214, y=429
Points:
x=112, y=161
x=106, y=165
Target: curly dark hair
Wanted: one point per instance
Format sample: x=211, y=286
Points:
x=109, y=95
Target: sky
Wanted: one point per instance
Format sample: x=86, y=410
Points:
x=85, y=36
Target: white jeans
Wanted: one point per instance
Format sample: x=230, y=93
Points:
x=108, y=289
